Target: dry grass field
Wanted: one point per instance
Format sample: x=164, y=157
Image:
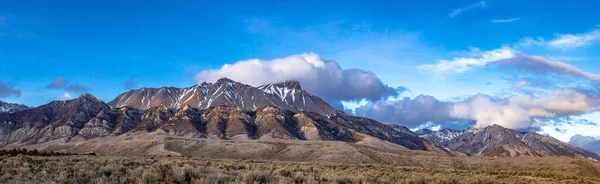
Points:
x=160, y=169
x=163, y=159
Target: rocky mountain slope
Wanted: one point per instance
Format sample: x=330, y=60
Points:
x=286, y=95
x=57, y=119
x=441, y=137
x=499, y=141
x=87, y=118
x=11, y=107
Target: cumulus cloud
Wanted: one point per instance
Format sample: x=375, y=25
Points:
x=408, y=112
x=325, y=79
x=7, y=90
x=586, y=142
x=563, y=41
x=517, y=112
x=462, y=64
x=66, y=96
x=62, y=83
x=457, y=11
x=496, y=21
x=485, y=111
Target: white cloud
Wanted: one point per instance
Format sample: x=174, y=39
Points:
x=325, y=79
x=485, y=111
x=463, y=64
x=571, y=41
x=457, y=11
x=530, y=42
x=517, y=112
x=496, y=21
x=66, y=96
x=563, y=41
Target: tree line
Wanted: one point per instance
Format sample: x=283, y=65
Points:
x=35, y=152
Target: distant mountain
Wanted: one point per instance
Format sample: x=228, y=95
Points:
x=286, y=95
x=279, y=111
x=587, y=142
x=401, y=128
x=57, y=119
x=441, y=137
x=499, y=141
x=11, y=107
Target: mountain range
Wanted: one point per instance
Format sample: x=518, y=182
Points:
x=12, y=107
x=286, y=95
x=496, y=140
x=229, y=110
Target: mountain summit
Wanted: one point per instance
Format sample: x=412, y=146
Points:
x=287, y=95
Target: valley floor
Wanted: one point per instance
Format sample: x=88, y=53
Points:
x=159, y=169
x=159, y=158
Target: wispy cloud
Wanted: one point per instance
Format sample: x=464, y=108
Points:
x=462, y=64
x=78, y=88
x=496, y=21
x=7, y=90
x=62, y=83
x=457, y=11
x=512, y=60
x=58, y=83
x=542, y=65
x=571, y=41
x=522, y=83
x=563, y=41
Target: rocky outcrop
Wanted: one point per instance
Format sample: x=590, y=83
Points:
x=111, y=122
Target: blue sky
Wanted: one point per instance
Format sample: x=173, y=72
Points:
x=108, y=47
